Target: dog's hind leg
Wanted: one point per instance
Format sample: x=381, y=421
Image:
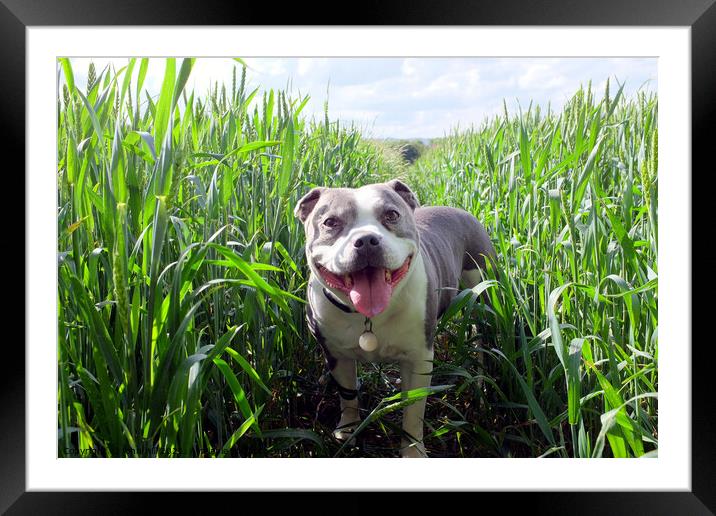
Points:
x=345, y=375
x=470, y=278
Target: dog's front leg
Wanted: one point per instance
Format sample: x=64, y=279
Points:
x=414, y=375
x=345, y=375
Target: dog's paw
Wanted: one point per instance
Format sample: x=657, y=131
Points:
x=347, y=425
x=344, y=431
x=350, y=419
x=414, y=451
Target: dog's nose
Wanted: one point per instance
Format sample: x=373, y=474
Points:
x=368, y=240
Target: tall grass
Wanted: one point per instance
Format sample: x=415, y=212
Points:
x=179, y=293
x=571, y=333
x=181, y=275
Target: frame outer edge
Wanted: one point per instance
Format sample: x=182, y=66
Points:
x=703, y=134
x=371, y=12
x=12, y=102
x=12, y=379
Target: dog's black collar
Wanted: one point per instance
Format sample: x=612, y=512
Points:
x=347, y=309
x=346, y=394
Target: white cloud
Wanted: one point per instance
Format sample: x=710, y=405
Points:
x=408, y=67
x=305, y=64
x=273, y=67
x=540, y=76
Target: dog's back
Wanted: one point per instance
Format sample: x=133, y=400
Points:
x=444, y=229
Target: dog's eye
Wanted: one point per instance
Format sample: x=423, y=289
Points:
x=330, y=222
x=391, y=215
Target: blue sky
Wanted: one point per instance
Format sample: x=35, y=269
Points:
x=413, y=97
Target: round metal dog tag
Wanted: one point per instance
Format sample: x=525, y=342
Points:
x=368, y=341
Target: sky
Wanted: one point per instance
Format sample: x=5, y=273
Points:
x=411, y=97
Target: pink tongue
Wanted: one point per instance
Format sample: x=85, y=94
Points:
x=370, y=293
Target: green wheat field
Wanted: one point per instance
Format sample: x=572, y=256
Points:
x=181, y=275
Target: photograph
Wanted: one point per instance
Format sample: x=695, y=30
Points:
x=357, y=257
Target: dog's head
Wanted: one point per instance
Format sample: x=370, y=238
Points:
x=360, y=243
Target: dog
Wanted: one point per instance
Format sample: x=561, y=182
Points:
x=383, y=270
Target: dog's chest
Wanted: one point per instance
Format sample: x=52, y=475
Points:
x=399, y=338
x=400, y=330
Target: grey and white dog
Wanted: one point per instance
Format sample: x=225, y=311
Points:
x=379, y=261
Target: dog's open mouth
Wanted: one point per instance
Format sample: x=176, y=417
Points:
x=370, y=288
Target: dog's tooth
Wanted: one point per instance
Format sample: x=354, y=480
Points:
x=348, y=280
x=388, y=276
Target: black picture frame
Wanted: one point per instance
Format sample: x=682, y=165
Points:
x=699, y=15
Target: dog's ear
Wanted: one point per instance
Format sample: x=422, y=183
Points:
x=306, y=204
x=405, y=192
